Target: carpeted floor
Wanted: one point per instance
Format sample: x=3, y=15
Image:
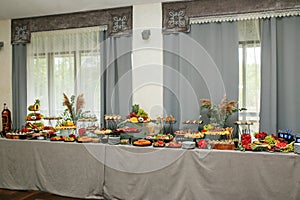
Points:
x=30, y=195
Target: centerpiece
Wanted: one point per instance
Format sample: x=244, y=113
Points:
x=73, y=111
x=219, y=114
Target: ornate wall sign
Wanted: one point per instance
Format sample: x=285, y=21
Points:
x=21, y=34
x=119, y=21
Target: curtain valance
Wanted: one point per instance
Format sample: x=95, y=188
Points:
x=118, y=22
x=246, y=16
x=177, y=16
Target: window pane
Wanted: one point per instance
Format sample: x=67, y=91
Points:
x=39, y=88
x=88, y=76
x=63, y=80
x=249, y=71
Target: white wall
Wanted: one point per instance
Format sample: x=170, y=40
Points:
x=147, y=59
x=5, y=66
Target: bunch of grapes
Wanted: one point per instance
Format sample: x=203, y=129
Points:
x=288, y=148
x=142, y=113
x=270, y=139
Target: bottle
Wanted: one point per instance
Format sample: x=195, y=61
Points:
x=6, y=119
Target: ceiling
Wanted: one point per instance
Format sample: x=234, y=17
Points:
x=11, y=9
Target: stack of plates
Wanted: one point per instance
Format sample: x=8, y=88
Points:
x=297, y=148
x=113, y=140
x=188, y=145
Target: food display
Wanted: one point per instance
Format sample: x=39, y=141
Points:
x=192, y=122
x=71, y=138
x=173, y=144
x=189, y=133
x=260, y=135
x=57, y=138
x=216, y=133
x=103, y=131
x=137, y=115
x=113, y=117
x=125, y=141
x=202, y=144
x=127, y=129
x=132, y=131
x=159, y=143
x=167, y=119
x=142, y=142
x=65, y=125
x=84, y=139
x=222, y=144
x=160, y=136
x=17, y=135
x=33, y=119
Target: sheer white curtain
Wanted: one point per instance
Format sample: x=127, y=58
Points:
x=64, y=61
x=249, y=70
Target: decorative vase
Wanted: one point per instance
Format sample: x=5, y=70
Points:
x=217, y=119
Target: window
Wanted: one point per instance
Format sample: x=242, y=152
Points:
x=249, y=71
x=65, y=61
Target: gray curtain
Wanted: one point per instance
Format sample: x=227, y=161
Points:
x=19, y=85
x=280, y=97
x=268, y=106
x=200, y=64
x=116, y=75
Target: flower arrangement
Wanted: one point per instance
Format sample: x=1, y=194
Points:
x=73, y=110
x=219, y=114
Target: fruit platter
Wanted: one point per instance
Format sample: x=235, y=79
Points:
x=137, y=115
x=265, y=142
x=159, y=143
x=57, y=138
x=71, y=138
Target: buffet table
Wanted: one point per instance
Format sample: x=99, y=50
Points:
x=127, y=172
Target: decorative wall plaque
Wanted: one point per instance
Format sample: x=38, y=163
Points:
x=119, y=24
x=177, y=19
x=21, y=34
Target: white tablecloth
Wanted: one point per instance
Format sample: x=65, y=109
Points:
x=125, y=172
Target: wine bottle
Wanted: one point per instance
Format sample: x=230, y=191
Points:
x=6, y=120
